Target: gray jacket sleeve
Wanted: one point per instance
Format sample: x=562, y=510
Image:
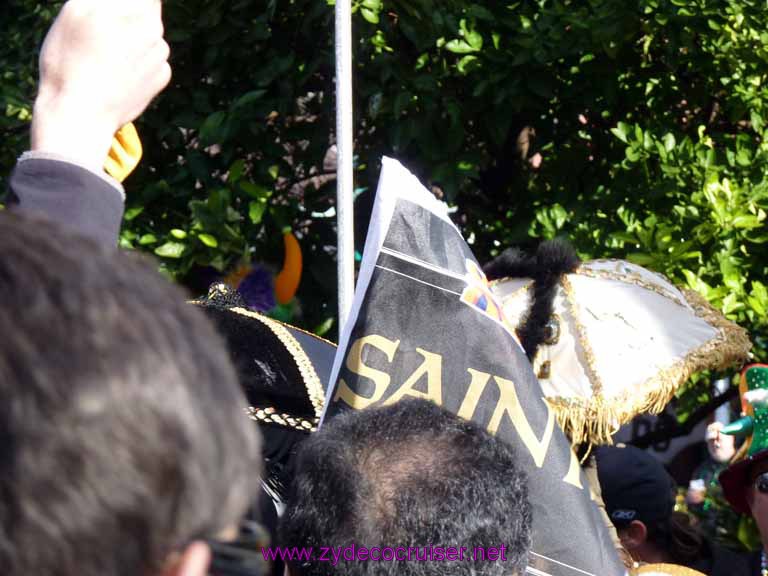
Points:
x=88, y=202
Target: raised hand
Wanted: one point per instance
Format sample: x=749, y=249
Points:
x=102, y=63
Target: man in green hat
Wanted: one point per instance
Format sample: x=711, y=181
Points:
x=745, y=482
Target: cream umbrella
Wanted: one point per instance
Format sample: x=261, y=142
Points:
x=618, y=339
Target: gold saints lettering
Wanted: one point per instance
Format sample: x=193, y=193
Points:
x=508, y=404
x=355, y=365
x=433, y=368
x=476, y=389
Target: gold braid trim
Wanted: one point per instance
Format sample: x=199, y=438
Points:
x=596, y=419
x=307, y=332
x=581, y=334
x=270, y=416
x=631, y=278
x=306, y=368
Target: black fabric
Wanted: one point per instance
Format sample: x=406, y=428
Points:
x=635, y=485
x=425, y=329
x=279, y=449
x=723, y=562
x=755, y=563
x=264, y=512
x=320, y=351
x=268, y=373
x=69, y=195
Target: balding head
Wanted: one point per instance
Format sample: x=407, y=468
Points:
x=407, y=475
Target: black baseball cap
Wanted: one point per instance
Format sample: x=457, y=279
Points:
x=635, y=486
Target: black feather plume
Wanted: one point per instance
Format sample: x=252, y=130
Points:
x=552, y=260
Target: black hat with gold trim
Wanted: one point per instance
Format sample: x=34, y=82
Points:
x=283, y=371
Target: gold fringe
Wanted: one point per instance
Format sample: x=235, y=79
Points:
x=596, y=419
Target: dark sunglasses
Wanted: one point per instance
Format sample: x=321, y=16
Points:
x=241, y=557
x=761, y=483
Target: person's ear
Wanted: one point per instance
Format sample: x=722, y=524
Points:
x=634, y=535
x=193, y=561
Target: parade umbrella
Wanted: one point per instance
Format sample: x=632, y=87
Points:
x=619, y=342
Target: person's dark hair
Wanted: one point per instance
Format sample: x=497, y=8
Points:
x=122, y=424
x=679, y=537
x=407, y=475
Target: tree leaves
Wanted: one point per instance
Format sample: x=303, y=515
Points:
x=636, y=130
x=171, y=250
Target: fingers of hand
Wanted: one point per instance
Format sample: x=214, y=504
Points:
x=107, y=54
x=157, y=71
x=149, y=75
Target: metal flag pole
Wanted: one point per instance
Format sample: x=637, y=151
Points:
x=344, y=157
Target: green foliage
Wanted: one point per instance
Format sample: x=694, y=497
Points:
x=24, y=25
x=636, y=128
x=233, y=145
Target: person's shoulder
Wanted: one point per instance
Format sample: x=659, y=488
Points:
x=79, y=197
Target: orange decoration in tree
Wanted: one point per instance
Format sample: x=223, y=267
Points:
x=287, y=281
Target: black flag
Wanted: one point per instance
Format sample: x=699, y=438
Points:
x=425, y=324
